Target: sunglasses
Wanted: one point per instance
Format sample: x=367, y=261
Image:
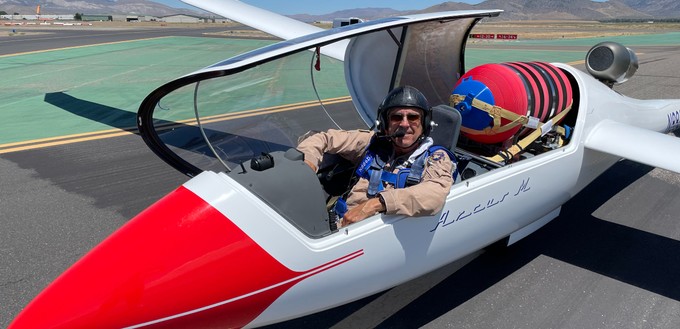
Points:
x=411, y=117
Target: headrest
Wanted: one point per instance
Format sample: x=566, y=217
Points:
x=447, y=126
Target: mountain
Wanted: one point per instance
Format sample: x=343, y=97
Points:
x=552, y=9
x=656, y=8
x=108, y=7
x=536, y=10
x=364, y=13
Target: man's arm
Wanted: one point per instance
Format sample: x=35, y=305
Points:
x=428, y=196
x=349, y=144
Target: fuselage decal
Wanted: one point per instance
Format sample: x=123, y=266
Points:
x=448, y=218
x=286, y=283
x=673, y=121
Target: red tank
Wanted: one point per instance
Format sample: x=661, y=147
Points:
x=532, y=89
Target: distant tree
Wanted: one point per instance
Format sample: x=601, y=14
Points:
x=78, y=17
x=2, y=12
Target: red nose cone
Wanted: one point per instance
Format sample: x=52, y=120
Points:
x=178, y=263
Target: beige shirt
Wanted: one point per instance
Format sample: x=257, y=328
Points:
x=426, y=198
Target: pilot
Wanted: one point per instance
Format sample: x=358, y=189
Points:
x=399, y=169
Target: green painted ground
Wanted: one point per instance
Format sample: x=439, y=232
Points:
x=663, y=39
x=508, y=50
x=474, y=57
x=88, y=89
x=55, y=93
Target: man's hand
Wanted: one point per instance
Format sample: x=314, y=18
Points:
x=362, y=211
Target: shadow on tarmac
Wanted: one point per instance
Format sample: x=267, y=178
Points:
x=101, y=113
x=185, y=140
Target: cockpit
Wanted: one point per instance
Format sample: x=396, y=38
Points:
x=243, y=116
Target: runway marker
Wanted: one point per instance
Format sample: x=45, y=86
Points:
x=102, y=134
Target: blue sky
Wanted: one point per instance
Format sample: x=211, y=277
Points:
x=316, y=7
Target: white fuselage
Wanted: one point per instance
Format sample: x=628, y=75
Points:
x=394, y=249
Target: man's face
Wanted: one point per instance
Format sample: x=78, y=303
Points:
x=408, y=120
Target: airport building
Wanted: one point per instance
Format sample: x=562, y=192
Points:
x=38, y=17
x=183, y=19
x=179, y=18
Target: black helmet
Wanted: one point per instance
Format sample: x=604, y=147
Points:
x=405, y=96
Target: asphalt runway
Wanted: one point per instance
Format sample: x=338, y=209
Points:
x=610, y=260
x=38, y=39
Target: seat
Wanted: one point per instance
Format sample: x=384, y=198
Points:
x=447, y=129
x=445, y=133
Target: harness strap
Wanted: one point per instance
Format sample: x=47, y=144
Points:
x=375, y=171
x=497, y=113
x=375, y=182
x=526, y=141
x=403, y=178
x=416, y=173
